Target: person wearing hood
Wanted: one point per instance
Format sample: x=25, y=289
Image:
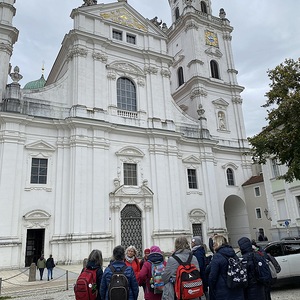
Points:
x=217, y=272
x=254, y=290
x=182, y=250
x=155, y=257
x=199, y=252
x=95, y=262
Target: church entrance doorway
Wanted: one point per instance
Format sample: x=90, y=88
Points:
x=34, y=245
x=131, y=227
x=236, y=217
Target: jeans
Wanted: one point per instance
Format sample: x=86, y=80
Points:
x=41, y=273
x=50, y=273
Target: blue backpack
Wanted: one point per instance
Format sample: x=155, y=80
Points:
x=262, y=271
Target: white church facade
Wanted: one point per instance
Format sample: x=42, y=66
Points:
x=136, y=136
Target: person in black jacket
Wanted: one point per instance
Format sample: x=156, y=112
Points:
x=217, y=272
x=199, y=252
x=50, y=265
x=95, y=262
x=254, y=290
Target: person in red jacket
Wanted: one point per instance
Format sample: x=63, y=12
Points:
x=131, y=260
x=155, y=256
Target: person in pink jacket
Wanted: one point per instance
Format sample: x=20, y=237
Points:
x=155, y=256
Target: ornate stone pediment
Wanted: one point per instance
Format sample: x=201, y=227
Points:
x=123, y=17
x=230, y=165
x=220, y=103
x=125, y=68
x=36, y=219
x=191, y=160
x=197, y=216
x=130, y=151
x=214, y=52
x=132, y=191
x=40, y=146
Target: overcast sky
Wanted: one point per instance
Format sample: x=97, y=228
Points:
x=265, y=33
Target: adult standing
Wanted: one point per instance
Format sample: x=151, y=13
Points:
x=41, y=265
x=131, y=260
x=199, y=252
x=217, y=272
x=156, y=257
x=254, y=290
x=145, y=258
x=50, y=265
x=118, y=263
x=95, y=262
x=183, y=251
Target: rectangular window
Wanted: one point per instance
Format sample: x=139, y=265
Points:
x=197, y=230
x=192, y=178
x=117, y=35
x=39, y=170
x=257, y=191
x=275, y=169
x=130, y=38
x=282, y=212
x=298, y=204
x=258, y=213
x=130, y=174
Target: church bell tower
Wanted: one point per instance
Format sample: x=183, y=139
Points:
x=8, y=37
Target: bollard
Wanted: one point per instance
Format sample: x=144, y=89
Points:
x=0, y=285
x=32, y=272
x=67, y=280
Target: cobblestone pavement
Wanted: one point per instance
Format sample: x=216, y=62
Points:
x=279, y=294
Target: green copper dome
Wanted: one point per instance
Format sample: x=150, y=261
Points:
x=36, y=84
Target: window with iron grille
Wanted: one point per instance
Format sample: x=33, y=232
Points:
x=130, y=38
x=258, y=213
x=39, y=168
x=197, y=230
x=230, y=177
x=117, y=35
x=130, y=174
x=192, y=178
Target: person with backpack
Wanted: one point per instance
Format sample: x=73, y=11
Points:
x=131, y=260
x=50, y=265
x=217, y=272
x=255, y=288
x=118, y=281
x=184, y=253
x=199, y=252
x=88, y=283
x=151, y=274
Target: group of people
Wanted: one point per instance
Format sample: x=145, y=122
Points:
x=213, y=269
x=42, y=263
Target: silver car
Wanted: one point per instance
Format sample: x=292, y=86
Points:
x=287, y=253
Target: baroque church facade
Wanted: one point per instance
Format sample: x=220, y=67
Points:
x=135, y=138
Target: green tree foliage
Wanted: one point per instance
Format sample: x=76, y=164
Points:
x=280, y=139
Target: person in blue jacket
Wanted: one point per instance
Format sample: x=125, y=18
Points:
x=118, y=263
x=217, y=272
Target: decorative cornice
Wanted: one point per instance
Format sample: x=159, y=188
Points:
x=125, y=68
x=198, y=92
x=237, y=100
x=100, y=56
x=227, y=36
x=150, y=70
x=191, y=25
x=232, y=71
x=77, y=51
x=165, y=73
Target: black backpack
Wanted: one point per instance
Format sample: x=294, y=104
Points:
x=236, y=273
x=262, y=271
x=118, y=287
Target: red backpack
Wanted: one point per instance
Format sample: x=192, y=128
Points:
x=85, y=287
x=188, y=284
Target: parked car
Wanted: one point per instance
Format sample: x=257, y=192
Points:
x=287, y=253
x=289, y=238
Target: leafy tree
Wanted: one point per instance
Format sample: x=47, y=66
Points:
x=280, y=139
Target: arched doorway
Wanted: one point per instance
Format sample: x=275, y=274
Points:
x=131, y=227
x=236, y=217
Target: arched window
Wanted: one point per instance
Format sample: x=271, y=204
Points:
x=214, y=69
x=176, y=13
x=180, y=76
x=126, y=94
x=230, y=176
x=203, y=7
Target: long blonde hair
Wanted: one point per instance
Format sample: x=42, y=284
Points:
x=219, y=240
